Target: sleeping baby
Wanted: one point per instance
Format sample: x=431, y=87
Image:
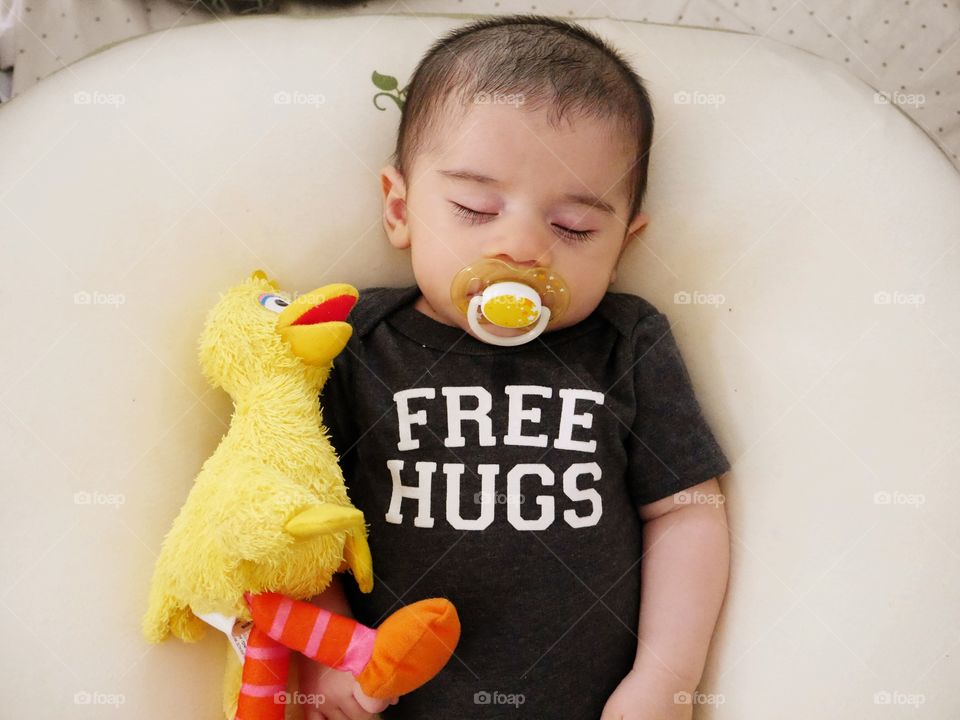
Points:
x=521, y=439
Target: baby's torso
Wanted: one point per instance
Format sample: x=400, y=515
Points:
x=497, y=481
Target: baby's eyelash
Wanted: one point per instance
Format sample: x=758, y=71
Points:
x=576, y=235
x=474, y=216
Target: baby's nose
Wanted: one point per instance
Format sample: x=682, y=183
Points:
x=522, y=239
x=514, y=261
x=525, y=251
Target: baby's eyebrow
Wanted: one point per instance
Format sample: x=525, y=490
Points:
x=574, y=198
x=469, y=175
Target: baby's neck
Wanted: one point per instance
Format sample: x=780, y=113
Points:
x=426, y=308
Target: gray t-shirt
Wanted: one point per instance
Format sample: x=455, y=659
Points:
x=507, y=479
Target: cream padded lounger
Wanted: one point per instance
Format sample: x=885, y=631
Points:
x=803, y=243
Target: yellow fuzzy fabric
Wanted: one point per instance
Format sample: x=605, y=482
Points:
x=274, y=462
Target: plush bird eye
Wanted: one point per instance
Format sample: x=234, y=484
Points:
x=272, y=302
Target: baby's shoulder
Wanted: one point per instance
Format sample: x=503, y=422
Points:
x=630, y=313
x=376, y=303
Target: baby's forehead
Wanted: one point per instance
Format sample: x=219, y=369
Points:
x=500, y=140
x=493, y=114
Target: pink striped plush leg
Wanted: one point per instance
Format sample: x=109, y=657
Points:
x=334, y=640
x=265, y=668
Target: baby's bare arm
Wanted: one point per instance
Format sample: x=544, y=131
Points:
x=326, y=692
x=333, y=598
x=684, y=574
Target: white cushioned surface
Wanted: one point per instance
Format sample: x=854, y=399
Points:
x=796, y=199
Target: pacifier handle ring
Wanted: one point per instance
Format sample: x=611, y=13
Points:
x=487, y=336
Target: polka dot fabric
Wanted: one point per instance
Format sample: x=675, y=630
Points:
x=908, y=50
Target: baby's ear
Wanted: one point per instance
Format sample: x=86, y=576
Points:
x=395, y=207
x=637, y=224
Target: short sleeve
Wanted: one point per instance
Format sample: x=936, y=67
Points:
x=336, y=412
x=670, y=446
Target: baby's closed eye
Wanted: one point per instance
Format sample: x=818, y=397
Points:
x=474, y=217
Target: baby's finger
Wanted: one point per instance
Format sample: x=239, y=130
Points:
x=369, y=704
x=353, y=710
x=339, y=713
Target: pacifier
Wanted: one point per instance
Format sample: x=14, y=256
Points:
x=508, y=296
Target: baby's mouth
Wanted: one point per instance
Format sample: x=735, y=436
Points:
x=506, y=305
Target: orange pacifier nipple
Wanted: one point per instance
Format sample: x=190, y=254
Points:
x=508, y=296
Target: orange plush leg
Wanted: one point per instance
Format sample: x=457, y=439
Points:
x=407, y=650
x=334, y=640
x=265, y=667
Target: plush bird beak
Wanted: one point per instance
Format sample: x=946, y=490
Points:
x=314, y=323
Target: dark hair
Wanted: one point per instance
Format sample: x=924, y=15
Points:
x=547, y=62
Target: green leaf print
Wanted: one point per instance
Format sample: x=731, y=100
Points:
x=391, y=89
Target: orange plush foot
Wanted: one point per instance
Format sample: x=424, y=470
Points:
x=411, y=647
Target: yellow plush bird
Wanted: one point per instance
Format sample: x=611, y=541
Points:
x=268, y=520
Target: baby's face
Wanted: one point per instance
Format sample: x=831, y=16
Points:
x=502, y=183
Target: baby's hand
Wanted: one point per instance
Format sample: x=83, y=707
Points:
x=648, y=695
x=329, y=694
